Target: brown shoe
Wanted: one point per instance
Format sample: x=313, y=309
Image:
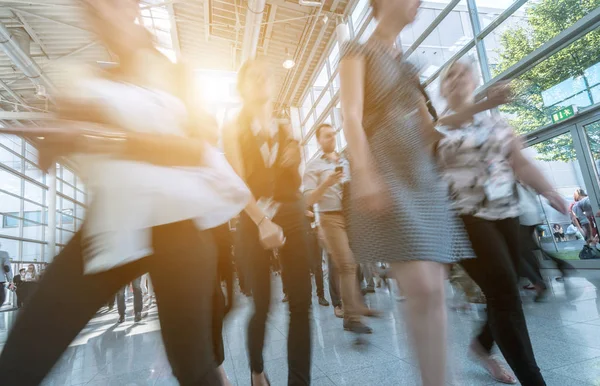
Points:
x=339, y=312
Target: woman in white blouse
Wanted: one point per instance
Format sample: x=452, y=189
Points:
x=480, y=160
x=154, y=190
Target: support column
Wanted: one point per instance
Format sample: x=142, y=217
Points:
x=51, y=197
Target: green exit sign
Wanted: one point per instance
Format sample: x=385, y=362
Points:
x=564, y=113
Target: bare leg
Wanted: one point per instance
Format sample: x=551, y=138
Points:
x=422, y=282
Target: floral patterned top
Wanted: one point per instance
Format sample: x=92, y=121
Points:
x=475, y=163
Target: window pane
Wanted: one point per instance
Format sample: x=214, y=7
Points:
x=341, y=140
x=306, y=106
x=32, y=251
x=12, y=142
x=10, y=182
x=66, y=236
x=308, y=125
x=33, y=230
x=10, y=224
x=452, y=34
x=357, y=13
x=31, y=153
x=489, y=10
x=556, y=159
x=32, y=171
x=534, y=24
x=80, y=196
x=323, y=102
x=552, y=85
x=67, y=190
x=79, y=211
x=368, y=31
x=34, y=192
x=311, y=147
x=334, y=56
x=322, y=78
x=11, y=247
x=68, y=176
x=10, y=159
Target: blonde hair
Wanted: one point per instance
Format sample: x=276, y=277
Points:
x=468, y=63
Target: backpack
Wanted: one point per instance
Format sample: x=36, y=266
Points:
x=588, y=253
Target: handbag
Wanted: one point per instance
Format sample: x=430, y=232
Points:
x=531, y=210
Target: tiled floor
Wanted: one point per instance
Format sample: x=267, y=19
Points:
x=565, y=334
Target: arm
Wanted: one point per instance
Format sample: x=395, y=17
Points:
x=233, y=154
x=459, y=118
x=313, y=190
x=352, y=79
x=498, y=95
x=527, y=173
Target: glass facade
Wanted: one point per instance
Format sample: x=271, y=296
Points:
x=493, y=35
x=24, y=231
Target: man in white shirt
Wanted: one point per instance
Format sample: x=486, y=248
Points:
x=323, y=185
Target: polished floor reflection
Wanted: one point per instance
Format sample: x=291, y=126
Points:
x=565, y=334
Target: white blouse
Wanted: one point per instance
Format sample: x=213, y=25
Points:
x=131, y=197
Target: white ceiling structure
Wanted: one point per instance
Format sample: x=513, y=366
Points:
x=39, y=37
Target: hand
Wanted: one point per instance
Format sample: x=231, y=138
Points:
x=371, y=191
x=499, y=94
x=556, y=201
x=270, y=234
x=334, y=178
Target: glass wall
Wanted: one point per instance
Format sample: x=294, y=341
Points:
x=494, y=35
x=24, y=196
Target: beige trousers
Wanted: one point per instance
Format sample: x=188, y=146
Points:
x=336, y=242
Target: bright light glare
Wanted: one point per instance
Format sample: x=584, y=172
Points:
x=217, y=87
x=288, y=63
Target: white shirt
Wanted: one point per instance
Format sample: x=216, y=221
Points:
x=130, y=197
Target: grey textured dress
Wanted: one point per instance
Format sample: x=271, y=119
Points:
x=419, y=225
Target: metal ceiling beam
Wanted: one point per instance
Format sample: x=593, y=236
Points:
x=307, y=63
x=254, y=13
x=432, y=26
x=32, y=33
x=29, y=3
x=12, y=93
x=47, y=18
x=23, y=61
x=269, y=29
x=206, y=23
x=174, y=32
x=25, y=116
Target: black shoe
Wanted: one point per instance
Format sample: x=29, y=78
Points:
x=138, y=317
x=323, y=302
x=285, y=299
x=121, y=319
x=357, y=327
x=370, y=290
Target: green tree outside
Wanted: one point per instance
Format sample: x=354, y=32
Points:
x=545, y=20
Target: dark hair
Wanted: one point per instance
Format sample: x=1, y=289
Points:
x=375, y=8
x=22, y=269
x=581, y=192
x=242, y=75
x=320, y=128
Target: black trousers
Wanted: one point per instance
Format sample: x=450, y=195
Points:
x=496, y=244
x=295, y=264
x=221, y=304
x=529, y=265
x=317, y=262
x=183, y=271
x=138, y=302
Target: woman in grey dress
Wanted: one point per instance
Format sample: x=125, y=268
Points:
x=399, y=209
